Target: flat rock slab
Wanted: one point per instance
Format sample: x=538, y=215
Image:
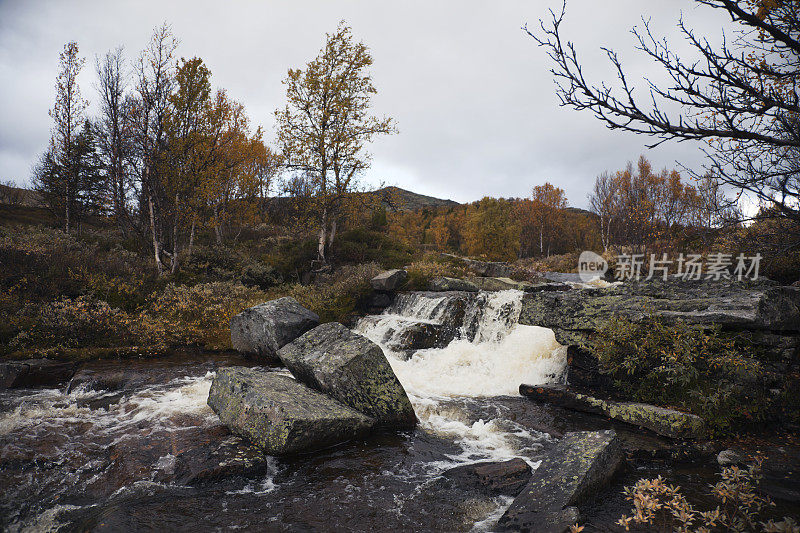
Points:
x=488, y=284
x=505, y=284
x=263, y=329
x=575, y=315
x=492, y=478
x=445, y=284
x=665, y=422
x=388, y=281
x=580, y=464
x=34, y=373
x=280, y=415
x=352, y=369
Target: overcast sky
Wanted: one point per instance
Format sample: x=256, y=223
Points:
x=470, y=91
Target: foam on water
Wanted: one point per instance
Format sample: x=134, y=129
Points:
x=527, y=354
x=52, y=408
x=491, y=356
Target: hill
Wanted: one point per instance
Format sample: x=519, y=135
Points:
x=405, y=200
x=12, y=195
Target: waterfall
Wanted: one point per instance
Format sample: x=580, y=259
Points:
x=482, y=352
x=488, y=354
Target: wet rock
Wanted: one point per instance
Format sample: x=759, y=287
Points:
x=491, y=269
x=280, y=415
x=581, y=464
x=263, y=329
x=492, y=478
x=443, y=284
x=352, y=369
x=729, y=458
x=769, y=313
x=232, y=457
x=422, y=336
x=665, y=422
x=379, y=301
x=408, y=336
x=389, y=281
x=34, y=373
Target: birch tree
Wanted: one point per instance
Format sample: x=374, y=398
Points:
x=326, y=124
x=68, y=116
x=154, y=85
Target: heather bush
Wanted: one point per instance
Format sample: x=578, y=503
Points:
x=679, y=365
x=72, y=323
x=662, y=507
x=335, y=296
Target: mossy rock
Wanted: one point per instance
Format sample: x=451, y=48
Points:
x=351, y=368
x=280, y=415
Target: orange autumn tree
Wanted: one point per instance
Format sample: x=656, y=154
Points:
x=638, y=207
x=545, y=214
x=491, y=230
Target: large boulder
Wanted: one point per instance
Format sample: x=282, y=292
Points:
x=34, y=373
x=665, y=422
x=263, y=329
x=352, y=369
x=575, y=469
x=280, y=415
x=388, y=281
x=770, y=314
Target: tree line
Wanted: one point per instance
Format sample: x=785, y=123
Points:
x=168, y=155
x=635, y=207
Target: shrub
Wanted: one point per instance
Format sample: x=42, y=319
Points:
x=212, y=263
x=293, y=259
x=682, y=366
x=657, y=503
x=363, y=246
x=260, y=275
x=421, y=272
x=335, y=297
x=196, y=315
x=72, y=323
x=46, y=264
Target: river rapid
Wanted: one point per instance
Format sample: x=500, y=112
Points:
x=101, y=454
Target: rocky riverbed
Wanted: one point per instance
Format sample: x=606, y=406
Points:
x=134, y=445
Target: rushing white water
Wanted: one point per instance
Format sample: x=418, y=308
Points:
x=158, y=405
x=527, y=354
x=490, y=355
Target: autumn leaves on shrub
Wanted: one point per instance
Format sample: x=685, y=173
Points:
x=64, y=296
x=680, y=366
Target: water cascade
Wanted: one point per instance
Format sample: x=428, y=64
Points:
x=111, y=449
x=490, y=354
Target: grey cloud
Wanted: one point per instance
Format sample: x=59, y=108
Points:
x=472, y=94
